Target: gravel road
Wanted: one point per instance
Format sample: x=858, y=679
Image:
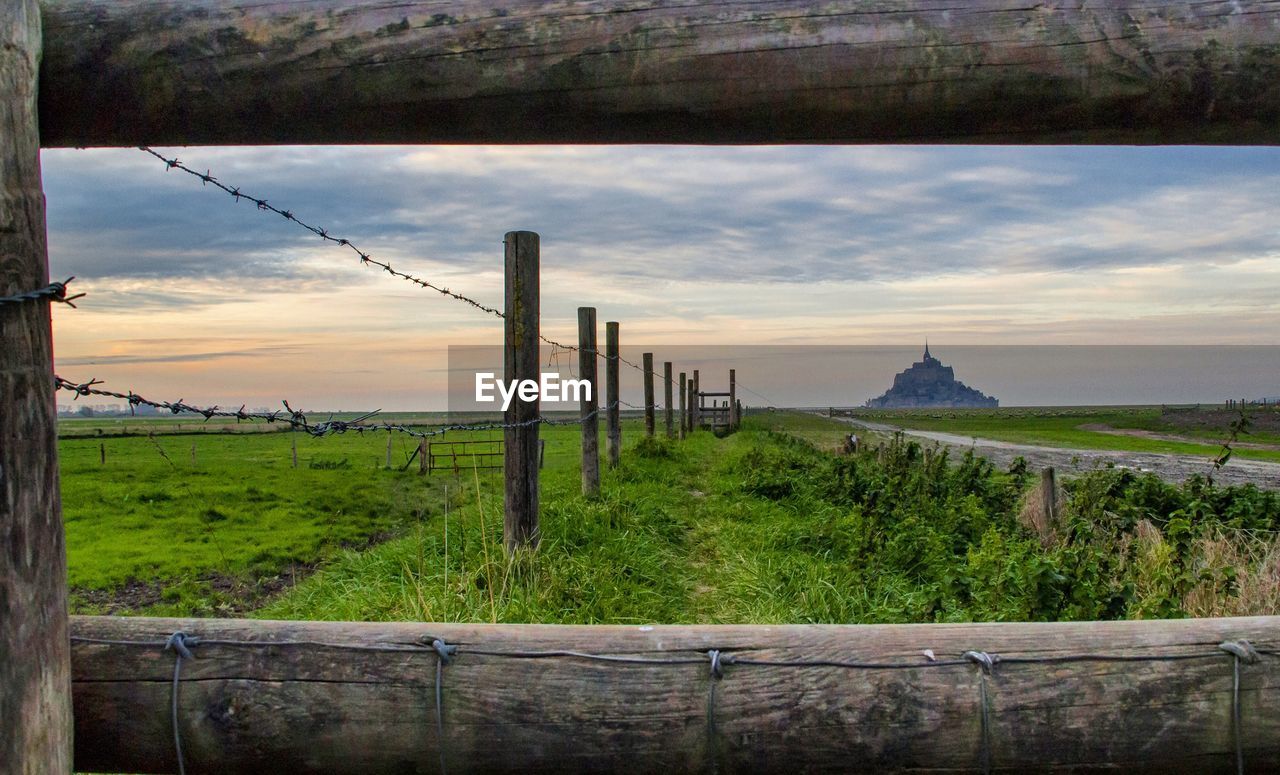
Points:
x=1172, y=468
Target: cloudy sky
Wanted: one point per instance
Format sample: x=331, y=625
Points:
x=195, y=296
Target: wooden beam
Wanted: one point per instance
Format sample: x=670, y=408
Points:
x=326, y=700
x=213, y=72
x=35, y=667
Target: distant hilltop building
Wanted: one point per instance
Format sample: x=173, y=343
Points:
x=929, y=383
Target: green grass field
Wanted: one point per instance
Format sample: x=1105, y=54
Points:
x=1086, y=428
x=197, y=523
x=761, y=526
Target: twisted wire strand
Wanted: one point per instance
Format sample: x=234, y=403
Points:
x=298, y=420
x=55, y=291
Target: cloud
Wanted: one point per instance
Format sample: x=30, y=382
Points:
x=758, y=244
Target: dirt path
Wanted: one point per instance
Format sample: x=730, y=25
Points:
x=1171, y=468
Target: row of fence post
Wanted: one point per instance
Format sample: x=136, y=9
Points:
x=521, y=362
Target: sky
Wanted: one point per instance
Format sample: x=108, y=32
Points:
x=192, y=295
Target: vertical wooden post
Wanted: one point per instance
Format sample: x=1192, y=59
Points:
x=613, y=419
x=733, y=399
x=695, y=403
x=589, y=400
x=102, y=453
x=35, y=664
x=422, y=460
x=295, y=448
x=520, y=362
x=648, y=394
x=684, y=404
x=668, y=400
x=1049, y=497
x=389, y=449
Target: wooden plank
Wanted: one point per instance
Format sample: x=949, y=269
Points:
x=211, y=72
x=613, y=413
x=520, y=361
x=589, y=406
x=35, y=668
x=304, y=707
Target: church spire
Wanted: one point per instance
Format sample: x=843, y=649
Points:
x=926, y=348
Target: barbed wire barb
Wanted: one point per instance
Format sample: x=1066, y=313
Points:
x=56, y=292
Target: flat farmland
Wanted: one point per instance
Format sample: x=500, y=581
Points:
x=1146, y=429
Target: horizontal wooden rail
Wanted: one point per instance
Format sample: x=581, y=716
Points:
x=332, y=697
x=201, y=72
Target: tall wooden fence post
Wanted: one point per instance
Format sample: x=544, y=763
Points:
x=613, y=418
x=695, y=403
x=589, y=400
x=520, y=363
x=35, y=655
x=733, y=399
x=648, y=394
x=684, y=404
x=668, y=408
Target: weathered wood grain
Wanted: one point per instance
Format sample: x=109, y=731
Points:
x=320, y=708
x=199, y=72
x=520, y=362
x=35, y=707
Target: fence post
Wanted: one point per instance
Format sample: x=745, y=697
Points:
x=589, y=403
x=695, y=404
x=613, y=419
x=520, y=362
x=1049, y=497
x=733, y=399
x=294, y=434
x=684, y=404
x=648, y=394
x=35, y=670
x=389, y=435
x=422, y=456
x=668, y=411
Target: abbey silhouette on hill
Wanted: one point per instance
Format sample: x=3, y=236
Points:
x=929, y=383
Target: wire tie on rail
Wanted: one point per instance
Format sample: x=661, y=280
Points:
x=179, y=643
x=987, y=665
x=718, y=661
x=444, y=653
x=1240, y=650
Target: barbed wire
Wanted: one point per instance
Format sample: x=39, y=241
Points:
x=1241, y=652
x=207, y=178
x=53, y=292
x=743, y=387
x=366, y=258
x=299, y=420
